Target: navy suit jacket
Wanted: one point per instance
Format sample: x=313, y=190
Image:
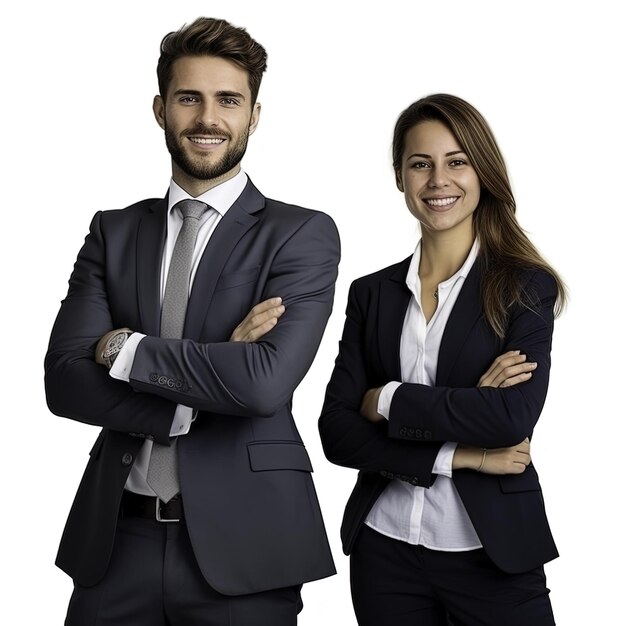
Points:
x=507, y=511
x=250, y=505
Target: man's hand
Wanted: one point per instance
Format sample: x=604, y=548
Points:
x=369, y=405
x=261, y=319
x=510, y=368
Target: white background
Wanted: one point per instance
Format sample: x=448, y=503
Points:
x=78, y=136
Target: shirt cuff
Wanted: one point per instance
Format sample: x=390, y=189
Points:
x=183, y=417
x=443, y=462
x=385, y=398
x=124, y=362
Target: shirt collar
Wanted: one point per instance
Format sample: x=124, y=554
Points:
x=220, y=198
x=412, y=278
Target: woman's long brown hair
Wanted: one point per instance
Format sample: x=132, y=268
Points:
x=505, y=250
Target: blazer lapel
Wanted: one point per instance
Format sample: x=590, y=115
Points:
x=231, y=228
x=466, y=312
x=150, y=242
x=394, y=300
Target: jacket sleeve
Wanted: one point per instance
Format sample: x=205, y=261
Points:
x=484, y=416
x=349, y=439
x=259, y=378
x=76, y=386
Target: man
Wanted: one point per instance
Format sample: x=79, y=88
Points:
x=194, y=402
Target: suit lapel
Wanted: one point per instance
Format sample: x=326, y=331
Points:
x=231, y=228
x=150, y=242
x=466, y=312
x=394, y=300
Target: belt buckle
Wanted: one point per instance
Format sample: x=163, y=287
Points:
x=157, y=512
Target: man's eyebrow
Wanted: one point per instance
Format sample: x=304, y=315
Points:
x=220, y=94
x=230, y=94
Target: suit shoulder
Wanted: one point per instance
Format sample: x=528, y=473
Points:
x=396, y=271
x=138, y=208
x=539, y=282
x=289, y=219
x=292, y=212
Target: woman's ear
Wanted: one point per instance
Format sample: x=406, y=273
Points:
x=399, y=184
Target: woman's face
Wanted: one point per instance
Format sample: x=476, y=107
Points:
x=440, y=186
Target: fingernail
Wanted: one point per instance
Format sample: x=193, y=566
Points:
x=281, y=309
x=277, y=300
x=532, y=365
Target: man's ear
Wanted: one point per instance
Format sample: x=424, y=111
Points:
x=254, y=118
x=158, y=108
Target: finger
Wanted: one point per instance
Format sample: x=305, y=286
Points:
x=508, y=359
x=497, y=360
x=513, y=371
x=258, y=331
x=261, y=318
x=515, y=380
x=261, y=307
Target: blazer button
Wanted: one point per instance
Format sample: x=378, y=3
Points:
x=127, y=459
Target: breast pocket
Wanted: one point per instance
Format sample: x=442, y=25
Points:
x=238, y=278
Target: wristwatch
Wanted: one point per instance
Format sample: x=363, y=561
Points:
x=114, y=345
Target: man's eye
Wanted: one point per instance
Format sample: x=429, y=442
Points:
x=229, y=101
x=188, y=100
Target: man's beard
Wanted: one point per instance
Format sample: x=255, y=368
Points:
x=199, y=168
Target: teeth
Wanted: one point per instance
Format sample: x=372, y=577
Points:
x=440, y=201
x=203, y=140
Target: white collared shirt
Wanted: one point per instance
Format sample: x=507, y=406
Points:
x=434, y=517
x=220, y=199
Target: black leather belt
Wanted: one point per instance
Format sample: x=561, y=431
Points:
x=150, y=507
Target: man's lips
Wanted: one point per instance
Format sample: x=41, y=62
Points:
x=206, y=141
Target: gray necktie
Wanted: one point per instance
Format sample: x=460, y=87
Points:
x=163, y=467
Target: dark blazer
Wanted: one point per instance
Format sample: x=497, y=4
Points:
x=507, y=511
x=250, y=505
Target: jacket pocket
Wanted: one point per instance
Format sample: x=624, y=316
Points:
x=241, y=277
x=528, y=481
x=278, y=455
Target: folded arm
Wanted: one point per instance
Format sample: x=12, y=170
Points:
x=349, y=439
x=490, y=417
x=76, y=386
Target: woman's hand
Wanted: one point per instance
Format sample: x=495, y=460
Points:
x=513, y=460
x=510, y=368
x=369, y=405
x=261, y=319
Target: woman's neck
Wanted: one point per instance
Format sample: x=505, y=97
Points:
x=443, y=254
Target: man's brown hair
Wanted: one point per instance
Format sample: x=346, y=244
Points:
x=207, y=36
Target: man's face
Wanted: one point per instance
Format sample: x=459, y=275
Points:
x=207, y=116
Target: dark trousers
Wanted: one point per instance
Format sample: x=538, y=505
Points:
x=398, y=584
x=153, y=580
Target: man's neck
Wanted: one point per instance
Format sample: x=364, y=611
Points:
x=196, y=187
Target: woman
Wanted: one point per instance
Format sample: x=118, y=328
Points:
x=446, y=521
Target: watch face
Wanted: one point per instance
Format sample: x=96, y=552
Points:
x=115, y=344
x=118, y=341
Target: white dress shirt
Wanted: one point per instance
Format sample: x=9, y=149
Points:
x=434, y=517
x=220, y=199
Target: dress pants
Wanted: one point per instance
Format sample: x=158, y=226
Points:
x=153, y=580
x=398, y=584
